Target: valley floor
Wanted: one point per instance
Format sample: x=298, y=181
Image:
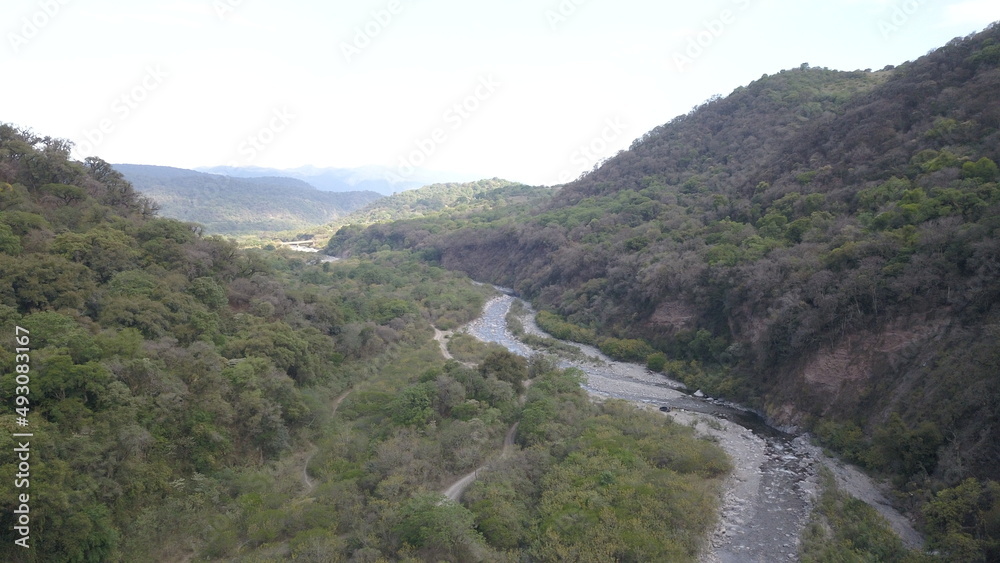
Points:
x=773, y=488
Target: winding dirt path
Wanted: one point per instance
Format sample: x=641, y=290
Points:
x=313, y=450
x=440, y=336
x=309, y=484
x=454, y=492
x=338, y=400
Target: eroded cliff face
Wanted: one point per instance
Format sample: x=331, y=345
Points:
x=844, y=373
x=905, y=367
x=674, y=315
x=867, y=370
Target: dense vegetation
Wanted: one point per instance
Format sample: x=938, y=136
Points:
x=428, y=432
x=599, y=483
x=239, y=206
x=188, y=400
x=446, y=204
x=846, y=530
x=820, y=244
x=436, y=198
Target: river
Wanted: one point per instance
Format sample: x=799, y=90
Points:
x=771, y=492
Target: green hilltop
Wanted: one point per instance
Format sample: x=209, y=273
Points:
x=820, y=244
x=189, y=399
x=234, y=206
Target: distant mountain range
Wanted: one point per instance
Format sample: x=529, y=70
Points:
x=241, y=205
x=381, y=179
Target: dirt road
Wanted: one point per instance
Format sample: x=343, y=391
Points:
x=454, y=492
x=306, y=481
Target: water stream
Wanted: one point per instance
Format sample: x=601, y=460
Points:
x=772, y=490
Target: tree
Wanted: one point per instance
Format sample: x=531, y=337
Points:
x=103, y=249
x=148, y=316
x=964, y=521
x=984, y=170
x=502, y=515
x=9, y=242
x=412, y=406
x=12, y=196
x=118, y=192
x=450, y=394
x=209, y=292
x=56, y=330
x=289, y=349
x=505, y=366
x=440, y=530
x=64, y=193
x=903, y=451
x=34, y=282
x=656, y=362
x=62, y=379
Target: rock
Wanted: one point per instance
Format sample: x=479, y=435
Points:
x=699, y=394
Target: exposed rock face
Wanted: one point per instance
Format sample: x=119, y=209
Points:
x=769, y=495
x=841, y=375
x=675, y=315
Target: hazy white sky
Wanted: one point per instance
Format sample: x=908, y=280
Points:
x=530, y=90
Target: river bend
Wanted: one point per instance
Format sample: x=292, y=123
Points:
x=770, y=494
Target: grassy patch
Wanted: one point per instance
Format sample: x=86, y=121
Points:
x=466, y=348
x=844, y=529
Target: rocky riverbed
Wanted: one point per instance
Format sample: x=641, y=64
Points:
x=770, y=494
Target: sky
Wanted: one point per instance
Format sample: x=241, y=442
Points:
x=532, y=91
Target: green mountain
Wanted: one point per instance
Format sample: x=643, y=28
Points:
x=234, y=206
x=437, y=198
x=821, y=244
x=430, y=200
x=168, y=396
x=381, y=179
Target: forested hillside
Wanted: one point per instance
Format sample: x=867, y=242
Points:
x=437, y=198
x=381, y=179
x=189, y=400
x=820, y=244
x=235, y=206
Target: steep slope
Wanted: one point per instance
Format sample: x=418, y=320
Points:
x=170, y=382
x=230, y=205
x=170, y=397
x=823, y=244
